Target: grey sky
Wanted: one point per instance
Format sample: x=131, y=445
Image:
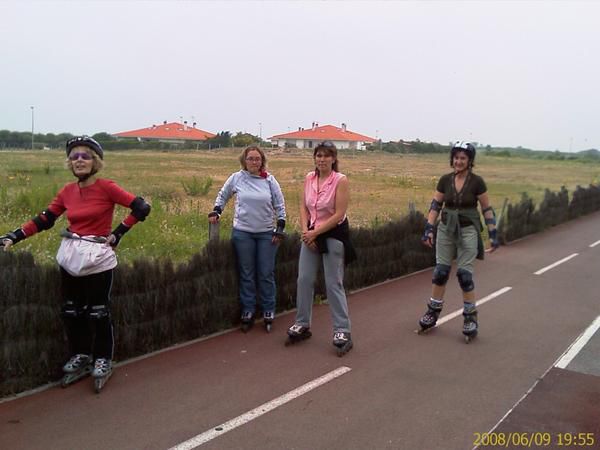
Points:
x=500, y=73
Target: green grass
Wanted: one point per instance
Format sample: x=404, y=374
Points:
x=177, y=185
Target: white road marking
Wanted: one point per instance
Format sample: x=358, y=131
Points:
x=552, y=266
x=579, y=343
x=259, y=411
x=594, y=244
x=486, y=299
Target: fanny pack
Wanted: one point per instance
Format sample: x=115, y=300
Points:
x=85, y=255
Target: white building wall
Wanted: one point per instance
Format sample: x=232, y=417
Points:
x=303, y=143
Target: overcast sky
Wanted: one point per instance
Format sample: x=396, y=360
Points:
x=499, y=73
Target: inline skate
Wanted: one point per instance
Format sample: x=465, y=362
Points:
x=470, y=325
x=297, y=333
x=343, y=342
x=268, y=318
x=76, y=368
x=247, y=321
x=102, y=372
x=429, y=319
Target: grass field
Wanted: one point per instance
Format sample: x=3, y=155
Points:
x=382, y=186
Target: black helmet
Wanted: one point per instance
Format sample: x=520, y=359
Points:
x=86, y=141
x=461, y=146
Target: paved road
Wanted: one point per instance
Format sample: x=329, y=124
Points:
x=403, y=391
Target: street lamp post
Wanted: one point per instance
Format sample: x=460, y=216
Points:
x=32, y=126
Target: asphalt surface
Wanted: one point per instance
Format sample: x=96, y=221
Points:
x=403, y=390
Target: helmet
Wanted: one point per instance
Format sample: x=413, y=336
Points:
x=86, y=141
x=461, y=146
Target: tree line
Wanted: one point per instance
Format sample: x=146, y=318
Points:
x=23, y=140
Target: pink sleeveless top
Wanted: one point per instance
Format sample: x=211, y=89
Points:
x=320, y=200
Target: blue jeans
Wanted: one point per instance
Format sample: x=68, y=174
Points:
x=256, y=268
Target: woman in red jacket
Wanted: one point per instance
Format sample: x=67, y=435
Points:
x=86, y=256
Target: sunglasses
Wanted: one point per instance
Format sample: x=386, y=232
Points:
x=326, y=144
x=82, y=155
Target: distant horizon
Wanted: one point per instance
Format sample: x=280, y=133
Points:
x=266, y=139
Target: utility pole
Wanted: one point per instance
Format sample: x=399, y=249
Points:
x=32, y=126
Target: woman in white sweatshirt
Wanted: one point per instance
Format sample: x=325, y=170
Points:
x=259, y=203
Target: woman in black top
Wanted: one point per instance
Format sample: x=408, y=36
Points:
x=458, y=234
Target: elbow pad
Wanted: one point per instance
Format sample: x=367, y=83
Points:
x=44, y=220
x=435, y=205
x=140, y=209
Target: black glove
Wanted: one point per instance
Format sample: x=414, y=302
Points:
x=494, y=238
x=118, y=234
x=279, y=230
x=14, y=236
x=428, y=230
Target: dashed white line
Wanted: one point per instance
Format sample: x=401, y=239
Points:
x=594, y=244
x=579, y=343
x=552, y=266
x=486, y=299
x=259, y=411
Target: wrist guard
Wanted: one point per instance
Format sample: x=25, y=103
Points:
x=428, y=230
x=216, y=212
x=15, y=236
x=278, y=231
x=118, y=234
x=494, y=238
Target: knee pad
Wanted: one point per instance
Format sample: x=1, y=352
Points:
x=69, y=310
x=441, y=274
x=98, y=312
x=465, y=279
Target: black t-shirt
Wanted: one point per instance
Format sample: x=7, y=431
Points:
x=467, y=196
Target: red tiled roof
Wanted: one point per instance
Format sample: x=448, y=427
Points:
x=173, y=130
x=325, y=133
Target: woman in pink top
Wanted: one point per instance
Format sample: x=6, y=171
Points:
x=89, y=205
x=325, y=237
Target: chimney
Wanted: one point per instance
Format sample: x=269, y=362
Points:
x=314, y=125
x=164, y=122
x=299, y=128
x=185, y=125
x=343, y=127
x=194, y=125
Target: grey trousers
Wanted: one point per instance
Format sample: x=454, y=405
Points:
x=333, y=267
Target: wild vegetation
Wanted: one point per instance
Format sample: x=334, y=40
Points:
x=182, y=186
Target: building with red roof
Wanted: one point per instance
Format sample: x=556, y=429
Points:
x=309, y=138
x=172, y=132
